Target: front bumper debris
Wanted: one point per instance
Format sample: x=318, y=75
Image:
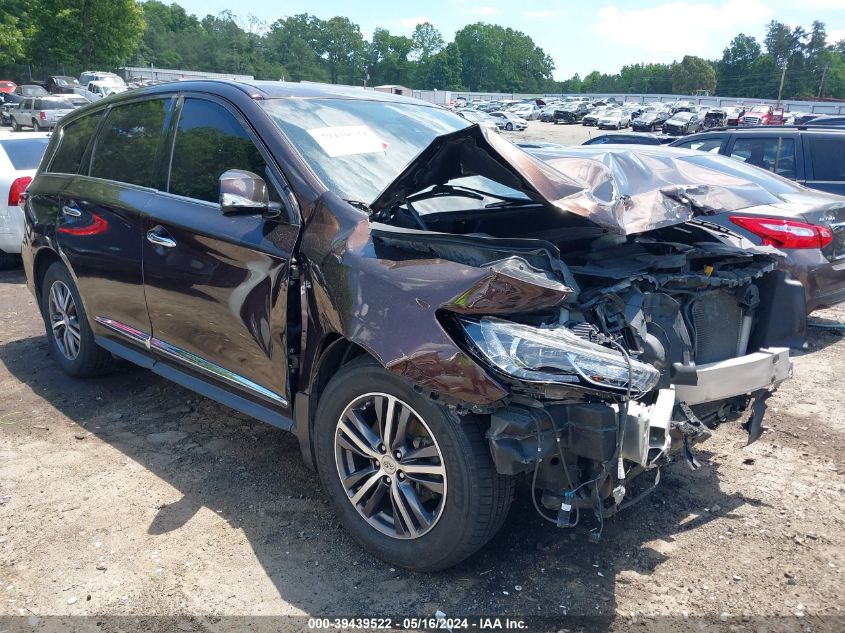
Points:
x=725, y=379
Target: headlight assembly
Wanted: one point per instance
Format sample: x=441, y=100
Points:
x=555, y=355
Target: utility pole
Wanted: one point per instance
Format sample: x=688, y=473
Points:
x=782, y=77
x=821, y=83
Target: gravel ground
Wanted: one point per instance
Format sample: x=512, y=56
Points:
x=129, y=496
x=565, y=134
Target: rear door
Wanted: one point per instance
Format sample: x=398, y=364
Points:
x=825, y=162
x=216, y=285
x=825, y=167
x=101, y=223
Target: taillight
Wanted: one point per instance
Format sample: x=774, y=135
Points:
x=42, y=115
x=786, y=233
x=19, y=185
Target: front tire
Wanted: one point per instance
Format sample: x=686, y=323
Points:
x=413, y=483
x=69, y=334
x=15, y=125
x=509, y=127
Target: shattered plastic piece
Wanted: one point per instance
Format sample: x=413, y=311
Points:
x=754, y=425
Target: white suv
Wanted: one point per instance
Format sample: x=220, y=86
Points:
x=39, y=113
x=19, y=158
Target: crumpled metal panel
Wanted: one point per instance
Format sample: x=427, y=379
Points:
x=624, y=191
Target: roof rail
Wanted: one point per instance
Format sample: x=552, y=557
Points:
x=763, y=128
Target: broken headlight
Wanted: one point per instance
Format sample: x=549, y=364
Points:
x=555, y=355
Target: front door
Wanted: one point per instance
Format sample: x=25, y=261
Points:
x=216, y=285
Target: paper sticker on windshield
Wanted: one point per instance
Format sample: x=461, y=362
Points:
x=345, y=140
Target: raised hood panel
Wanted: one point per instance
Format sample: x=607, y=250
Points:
x=625, y=192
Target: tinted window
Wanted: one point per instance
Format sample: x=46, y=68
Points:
x=775, y=154
x=25, y=153
x=702, y=144
x=126, y=147
x=209, y=141
x=73, y=143
x=54, y=104
x=775, y=185
x=828, y=156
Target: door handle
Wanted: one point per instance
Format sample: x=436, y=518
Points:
x=72, y=212
x=160, y=237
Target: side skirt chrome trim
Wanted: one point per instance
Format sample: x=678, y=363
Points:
x=183, y=356
x=126, y=330
x=217, y=371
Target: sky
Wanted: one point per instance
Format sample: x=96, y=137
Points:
x=581, y=36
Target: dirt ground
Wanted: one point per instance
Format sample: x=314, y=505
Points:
x=128, y=496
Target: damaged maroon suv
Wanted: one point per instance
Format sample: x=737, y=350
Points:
x=434, y=312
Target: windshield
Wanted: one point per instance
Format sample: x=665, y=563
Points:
x=111, y=80
x=359, y=147
x=683, y=116
x=25, y=153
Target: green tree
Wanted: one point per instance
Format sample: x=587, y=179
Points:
x=692, y=74
x=427, y=41
x=295, y=43
x=344, y=50
x=734, y=69
x=389, y=62
x=444, y=69
x=497, y=58
x=12, y=39
x=92, y=33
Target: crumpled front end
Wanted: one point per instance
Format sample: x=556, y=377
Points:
x=662, y=328
x=594, y=330
x=658, y=345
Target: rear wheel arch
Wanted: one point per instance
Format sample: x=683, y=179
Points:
x=43, y=260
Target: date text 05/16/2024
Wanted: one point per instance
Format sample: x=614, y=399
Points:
x=419, y=623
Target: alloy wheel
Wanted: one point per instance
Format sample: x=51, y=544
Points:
x=64, y=322
x=390, y=466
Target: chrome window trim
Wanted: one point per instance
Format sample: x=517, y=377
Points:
x=188, y=358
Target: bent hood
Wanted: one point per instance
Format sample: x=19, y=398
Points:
x=624, y=191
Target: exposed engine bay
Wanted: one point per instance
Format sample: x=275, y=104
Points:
x=654, y=339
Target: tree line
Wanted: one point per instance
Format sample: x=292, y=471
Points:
x=73, y=35
x=814, y=68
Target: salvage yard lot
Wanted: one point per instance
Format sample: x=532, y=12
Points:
x=129, y=495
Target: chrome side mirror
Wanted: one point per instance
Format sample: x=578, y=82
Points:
x=243, y=192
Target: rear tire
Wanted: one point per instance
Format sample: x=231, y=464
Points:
x=475, y=498
x=61, y=307
x=35, y=126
